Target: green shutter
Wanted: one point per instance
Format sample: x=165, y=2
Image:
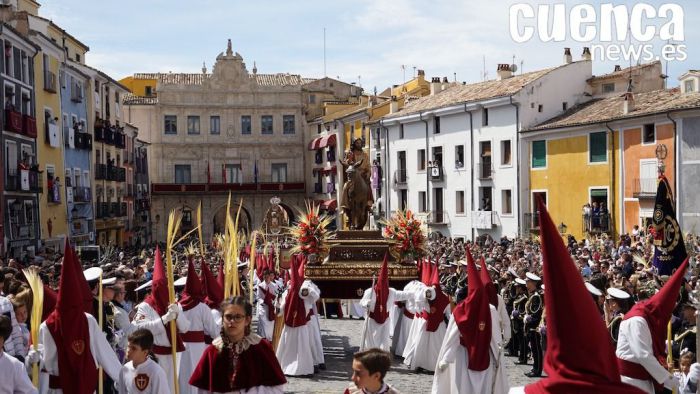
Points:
x=599, y=193
x=598, y=148
x=539, y=154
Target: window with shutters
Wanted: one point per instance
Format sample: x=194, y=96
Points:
x=597, y=148
x=539, y=154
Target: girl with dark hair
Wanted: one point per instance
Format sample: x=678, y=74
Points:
x=239, y=360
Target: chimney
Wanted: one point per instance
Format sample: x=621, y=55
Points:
x=435, y=86
x=586, y=55
x=394, y=105
x=628, y=103
x=617, y=68
x=504, y=71
x=421, y=74
x=567, y=56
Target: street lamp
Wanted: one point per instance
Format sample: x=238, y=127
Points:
x=562, y=228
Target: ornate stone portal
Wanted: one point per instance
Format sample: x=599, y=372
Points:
x=354, y=258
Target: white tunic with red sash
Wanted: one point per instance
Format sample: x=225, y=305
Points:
x=147, y=378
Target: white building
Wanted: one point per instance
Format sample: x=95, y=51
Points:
x=471, y=132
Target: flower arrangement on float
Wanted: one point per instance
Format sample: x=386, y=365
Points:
x=311, y=234
x=409, y=239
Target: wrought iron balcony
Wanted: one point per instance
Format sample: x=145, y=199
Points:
x=82, y=194
x=645, y=187
x=400, y=177
x=597, y=223
x=484, y=219
x=438, y=218
x=485, y=170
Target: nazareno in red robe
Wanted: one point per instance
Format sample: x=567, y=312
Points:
x=256, y=366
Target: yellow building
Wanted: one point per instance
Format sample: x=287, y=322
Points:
x=141, y=84
x=569, y=170
x=52, y=204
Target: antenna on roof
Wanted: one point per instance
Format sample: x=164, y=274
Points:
x=403, y=68
x=359, y=80
x=484, y=73
x=455, y=74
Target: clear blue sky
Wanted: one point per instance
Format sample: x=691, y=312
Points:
x=367, y=38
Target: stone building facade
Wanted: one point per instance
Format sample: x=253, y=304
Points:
x=220, y=132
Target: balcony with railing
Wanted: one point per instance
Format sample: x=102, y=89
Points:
x=13, y=121
x=143, y=205
x=83, y=141
x=484, y=219
x=24, y=181
x=437, y=218
x=485, y=170
x=101, y=172
x=29, y=126
x=76, y=93
x=113, y=209
x=189, y=188
x=401, y=177
x=82, y=194
x=597, y=223
x=437, y=173
x=645, y=187
x=49, y=81
x=120, y=140
x=531, y=222
x=102, y=209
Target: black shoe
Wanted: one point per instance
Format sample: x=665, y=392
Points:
x=533, y=374
x=316, y=370
x=322, y=366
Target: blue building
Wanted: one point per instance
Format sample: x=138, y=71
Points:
x=78, y=153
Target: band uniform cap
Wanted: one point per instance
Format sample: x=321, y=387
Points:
x=92, y=274
x=144, y=286
x=617, y=293
x=593, y=290
x=180, y=281
x=531, y=276
x=520, y=281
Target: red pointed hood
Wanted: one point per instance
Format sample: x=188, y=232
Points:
x=657, y=310
x=214, y=293
x=194, y=291
x=381, y=291
x=580, y=357
x=68, y=326
x=158, y=299
x=473, y=318
x=488, y=284
x=294, y=309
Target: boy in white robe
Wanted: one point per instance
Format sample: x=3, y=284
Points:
x=141, y=375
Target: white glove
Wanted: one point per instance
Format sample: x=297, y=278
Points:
x=34, y=356
x=672, y=383
x=169, y=316
x=694, y=373
x=176, y=308
x=442, y=366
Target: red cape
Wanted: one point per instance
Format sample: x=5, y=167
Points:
x=257, y=366
x=580, y=357
x=69, y=328
x=473, y=318
x=294, y=308
x=436, y=314
x=381, y=291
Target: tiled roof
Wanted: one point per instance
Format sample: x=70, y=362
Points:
x=132, y=99
x=281, y=79
x=610, y=109
x=636, y=70
x=456, y=93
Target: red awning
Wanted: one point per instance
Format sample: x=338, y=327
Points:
x=313, y=145
x=322, y=142
x=329, y=171
x=330, y=205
